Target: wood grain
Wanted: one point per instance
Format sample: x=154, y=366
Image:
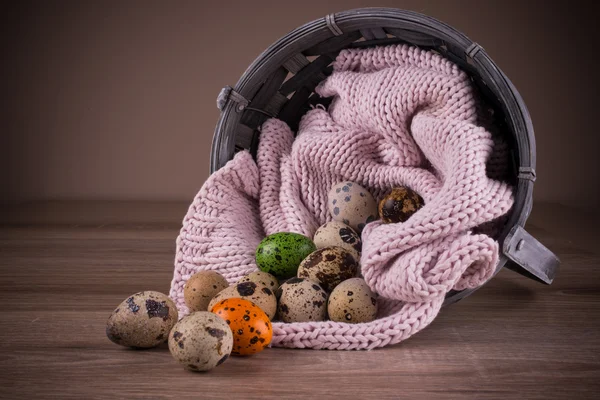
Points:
x=65, y=266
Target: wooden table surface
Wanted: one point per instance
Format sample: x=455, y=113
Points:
x=65, y=266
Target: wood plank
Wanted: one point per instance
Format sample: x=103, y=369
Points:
x=295, y=108
x=376, y=42
x=415, y=38
x=244, y=136
x=333, y=45
x=60, y=280
x=373, y=33
x=296, y=63
x=307, y=76
x=256, y=113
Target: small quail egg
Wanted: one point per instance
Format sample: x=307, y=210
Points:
x=399, y=205
x=335, y=233
x=251, y=328
x=201, y=341
x=328, y=267
x=258, y=294
x=142, y=320
x=352, y=301
x=280, y=253
x=352, y=204
x=263, y=278
x=201, y=287
x=302, y=301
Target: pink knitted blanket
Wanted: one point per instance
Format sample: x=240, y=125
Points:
x=400, y=116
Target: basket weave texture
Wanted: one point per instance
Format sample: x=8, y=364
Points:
x=400, y=116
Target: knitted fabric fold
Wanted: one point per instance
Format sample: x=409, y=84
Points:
x=399, y=116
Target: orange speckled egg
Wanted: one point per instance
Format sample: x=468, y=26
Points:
x=251, y=327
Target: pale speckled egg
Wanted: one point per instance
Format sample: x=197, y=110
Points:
x=143, y=320
x=328, y=267
x=302, y=301
x=352, y=204
x=263, y=278
x=278, y=291
x=201, y=287
x=201, y=341
x=258, y=294
x=352, y=301
x=337, y=233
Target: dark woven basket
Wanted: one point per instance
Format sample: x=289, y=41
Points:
x=281, y=81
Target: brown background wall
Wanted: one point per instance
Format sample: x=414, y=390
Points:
x=116, y=100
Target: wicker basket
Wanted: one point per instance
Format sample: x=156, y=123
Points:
x=281, y=81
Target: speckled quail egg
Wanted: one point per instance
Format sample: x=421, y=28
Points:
x=399, y=205
x=328, y=267
x=201, y=287
x=201, y=341
x=335, y=233
x=352, y=204
x=280, y=253
x=259, y=294
x=352, y=301
x=142, y=320
x=263, y=278
x=302, y=301
x=251, y=328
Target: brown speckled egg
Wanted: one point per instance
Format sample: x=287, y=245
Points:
x=142, y=320
x=352, y=301
x=302, y=301
x=352, y=204
x=258, y=294
x=399, y=205
x=328, y=267
x=201, y=341
x=263, y=278
x=337, y=233
x=201, y=287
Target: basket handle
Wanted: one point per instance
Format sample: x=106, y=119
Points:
x=530, y=257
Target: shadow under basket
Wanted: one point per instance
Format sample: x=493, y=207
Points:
x=281, y=81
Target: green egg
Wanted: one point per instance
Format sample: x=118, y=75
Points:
x=281, y=253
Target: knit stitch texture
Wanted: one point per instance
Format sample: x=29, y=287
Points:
x=400, y=116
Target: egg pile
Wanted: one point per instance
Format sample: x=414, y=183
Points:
x=326, y=283
x=299, y=279
x=224, y=320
